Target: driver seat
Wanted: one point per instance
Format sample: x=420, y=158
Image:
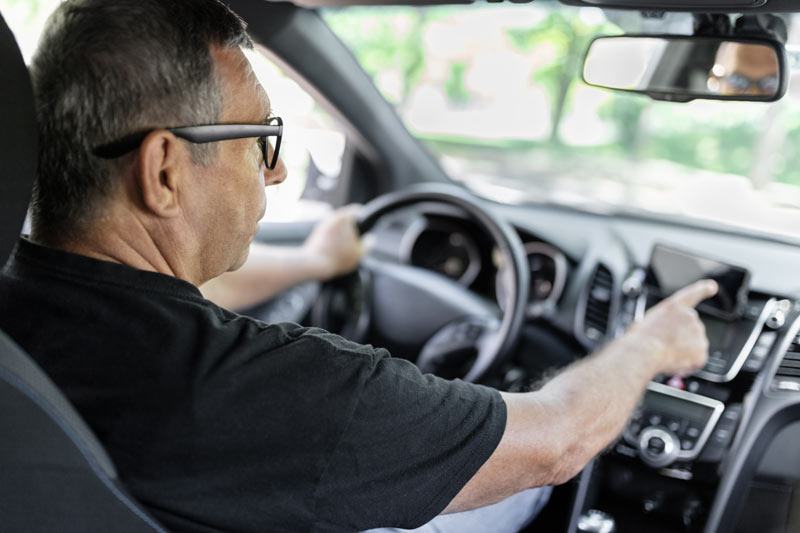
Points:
x=54, y=474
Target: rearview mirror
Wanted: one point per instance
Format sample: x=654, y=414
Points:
x=683, y=68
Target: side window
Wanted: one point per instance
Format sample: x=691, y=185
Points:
x=312, y=148
x=313, y=143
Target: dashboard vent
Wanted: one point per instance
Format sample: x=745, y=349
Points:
x=787, y=377
x=598, y=304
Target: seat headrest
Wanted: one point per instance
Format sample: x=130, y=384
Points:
x=18, y=141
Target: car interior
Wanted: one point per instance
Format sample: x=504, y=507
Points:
x=473, y=277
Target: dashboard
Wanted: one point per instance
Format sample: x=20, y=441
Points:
x=713, y=452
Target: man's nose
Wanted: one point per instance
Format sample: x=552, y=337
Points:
x=276, y=175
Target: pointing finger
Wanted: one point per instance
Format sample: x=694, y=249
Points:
x=693, y=294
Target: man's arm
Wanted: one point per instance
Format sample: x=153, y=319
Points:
x=333, y=248
x=553, y=432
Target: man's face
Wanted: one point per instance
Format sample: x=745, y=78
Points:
x=232, y=199
x=743, y=68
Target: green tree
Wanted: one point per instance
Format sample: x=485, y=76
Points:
x=569, y=38
x=377, y=42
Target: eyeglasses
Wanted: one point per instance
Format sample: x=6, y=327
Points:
x=741, y=82
x=206, y=134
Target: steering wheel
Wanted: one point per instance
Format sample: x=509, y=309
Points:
x=408, y=299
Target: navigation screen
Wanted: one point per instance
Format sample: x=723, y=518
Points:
x=670, y=269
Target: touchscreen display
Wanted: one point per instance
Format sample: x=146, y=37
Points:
x=670, y=269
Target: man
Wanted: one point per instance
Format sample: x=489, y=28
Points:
x=216, y=421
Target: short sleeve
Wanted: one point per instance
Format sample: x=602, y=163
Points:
x=412, y=443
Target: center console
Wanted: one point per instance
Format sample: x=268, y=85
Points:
x=663, y=472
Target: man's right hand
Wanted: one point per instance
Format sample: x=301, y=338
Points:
x=552, y=432
x=674, y=329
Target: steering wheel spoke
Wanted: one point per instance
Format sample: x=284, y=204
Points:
x=461, y=334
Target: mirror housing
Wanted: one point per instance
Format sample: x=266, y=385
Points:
x=682, y=68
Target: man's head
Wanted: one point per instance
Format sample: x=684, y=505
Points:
x=744, y=68
x=107, y=69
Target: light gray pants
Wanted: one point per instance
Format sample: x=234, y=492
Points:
x=507, y=516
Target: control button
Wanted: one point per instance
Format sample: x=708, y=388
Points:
x=722, y=435
x=766, y=339
x=625, y=450
x=786, y=385
x=674, y=425
x=687, y=444
x=694, y=386
x=732, y=413
x=693, y=432
x=753, y=364
x=658, y=446
x=654, y=420
x=777, y=319
x=677, y=382
x=759, y=352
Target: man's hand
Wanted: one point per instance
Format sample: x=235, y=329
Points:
x=674, y=332
x=551, y=433
x=335, y=243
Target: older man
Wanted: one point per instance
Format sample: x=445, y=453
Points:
x=157, y=143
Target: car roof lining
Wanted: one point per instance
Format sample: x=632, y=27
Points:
x=696, y=6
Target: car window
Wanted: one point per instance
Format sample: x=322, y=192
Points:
x=312, y=148
x=494, y=91
x=313, y=142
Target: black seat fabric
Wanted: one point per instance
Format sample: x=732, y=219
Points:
x=54, y=474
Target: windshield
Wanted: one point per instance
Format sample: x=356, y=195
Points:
x=494, y=92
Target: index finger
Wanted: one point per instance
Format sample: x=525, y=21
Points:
x=351, y=210
x=693, y=294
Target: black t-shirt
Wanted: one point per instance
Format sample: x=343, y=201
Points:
x=220, y=422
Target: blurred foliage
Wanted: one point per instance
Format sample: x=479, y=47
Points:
x=454, y=86
x=671, y=132
x=391, y=40
x=568, y=37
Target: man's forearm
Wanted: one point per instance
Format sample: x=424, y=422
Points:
x=268, y=271
x=553, y=432
x=591, y=400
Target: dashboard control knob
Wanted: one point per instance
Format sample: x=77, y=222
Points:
x=777, y=319
x=658, y=446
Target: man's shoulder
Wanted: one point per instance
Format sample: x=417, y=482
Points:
x=292, y=346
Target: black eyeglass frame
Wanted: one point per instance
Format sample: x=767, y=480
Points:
x=205, y=133
x=745, y=83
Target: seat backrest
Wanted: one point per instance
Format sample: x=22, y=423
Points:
x=54, y=474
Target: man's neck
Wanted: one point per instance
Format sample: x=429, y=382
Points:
x=129, y=241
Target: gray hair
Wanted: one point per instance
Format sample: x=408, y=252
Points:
x=105, y=69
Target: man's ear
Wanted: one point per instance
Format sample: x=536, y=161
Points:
x=163, y=168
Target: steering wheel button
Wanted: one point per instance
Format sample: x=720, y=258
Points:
x=687, y=444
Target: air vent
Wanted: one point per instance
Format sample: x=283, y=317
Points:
x=787, y=377
x=598, y=304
